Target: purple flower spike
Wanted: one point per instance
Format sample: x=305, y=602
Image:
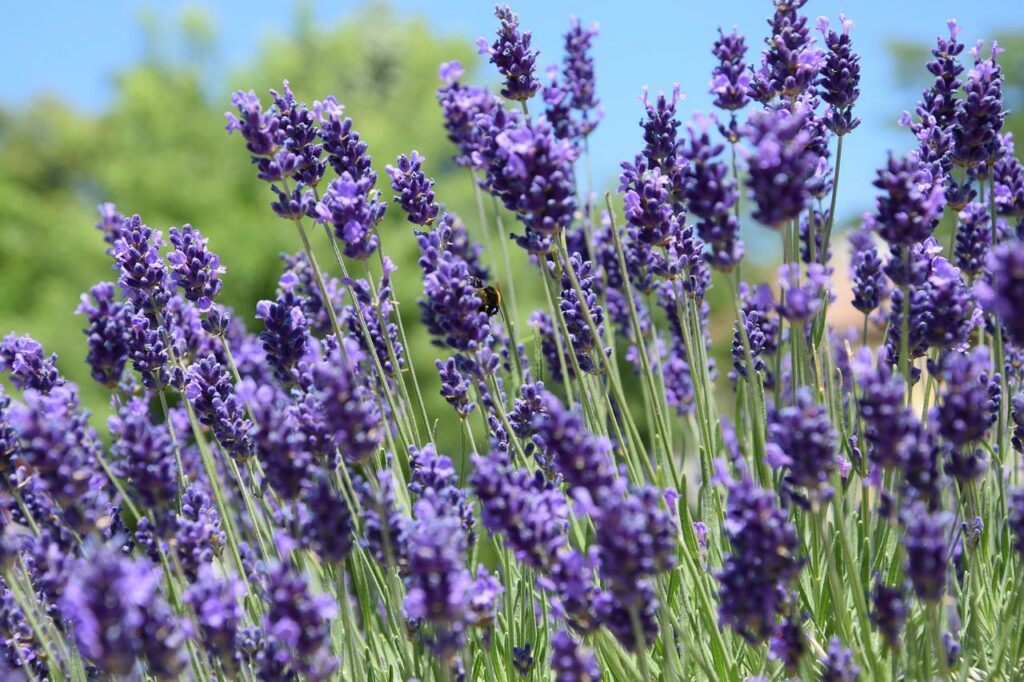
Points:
x=297, y=628
x=460, y=107
x=455, y=387
x=711, y=195
x=348, y=407
x=119, y=615
x=438, y=582
x=730, y=79
x=980, y=119
x=1002, y=294
x=149, y=354
x=889, y=611
x=866, y=271
x=973, y=239
x=107, y=333
x=26, y=362
x=450, y=306
x=583, y=460
x=963, y=408
x=791, y=63
x=780, y=164
x=1015, y=519
x=208, y=387
x=143, y=272
x=285, y=335
x=838, y=665
x=328, y=528
x=354, y=211
x=572, y=662
x=511, y=54
x=763, y=562
x=59, y=450
x=146, y=453
x=911, y=204
x=531, y=171
x=840, y=77
x=578, y=75
x=526, y=509
x=799, y=302
x=217, y=605
x=415, y=189
x=927, y=550
x=194, y=268
x=802, y=439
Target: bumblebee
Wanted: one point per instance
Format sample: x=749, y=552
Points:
x=490, y=297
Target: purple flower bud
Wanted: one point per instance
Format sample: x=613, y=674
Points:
x=107, y=333
x=730, y=79
x=799, y=302
x=198, y=533
x=511, y=54
x=1002, y=292
x=869, y=287
x=1015, y=519
x=285, y=334
x=146, y=453
x=711, y=195
x=195, y=269
x=804, y=441
x=780, y=164
x=578, y=76
x=119, y=615
x=415, y=189
x=24, y=358
x=460, y=107
x=791, y=63
x=889, y=611
x=354, y=210
x=349, y=408
x=345, y=151
x=60, y=451
x=910, y=206
x=455, y=387
x=531, y=171
x=762, y=563
x=927, y=550
x=208, y=387
x=527, y=510
x=572, y=662
x=216, y=603
x=840, y=77
x=450, y=306
x=143, y=277
x=973, y=239
x=838, y=663
x=437, y=581
x=962, y=413
x=385, y=527
x=980, y=119
x=297, y=628
x=788, y=643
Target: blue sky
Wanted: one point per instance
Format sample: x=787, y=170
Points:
x=72, y=48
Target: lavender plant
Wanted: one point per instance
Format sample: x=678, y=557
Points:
x=274, y=505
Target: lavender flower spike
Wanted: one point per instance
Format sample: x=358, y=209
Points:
x=511, y=53
x=415, y=189
x=1003, y=294
x=194, y=268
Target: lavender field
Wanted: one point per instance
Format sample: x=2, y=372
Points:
x=280, y=494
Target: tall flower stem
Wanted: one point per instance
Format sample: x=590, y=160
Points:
x=832, y=201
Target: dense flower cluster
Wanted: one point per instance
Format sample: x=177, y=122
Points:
x=273, y=504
